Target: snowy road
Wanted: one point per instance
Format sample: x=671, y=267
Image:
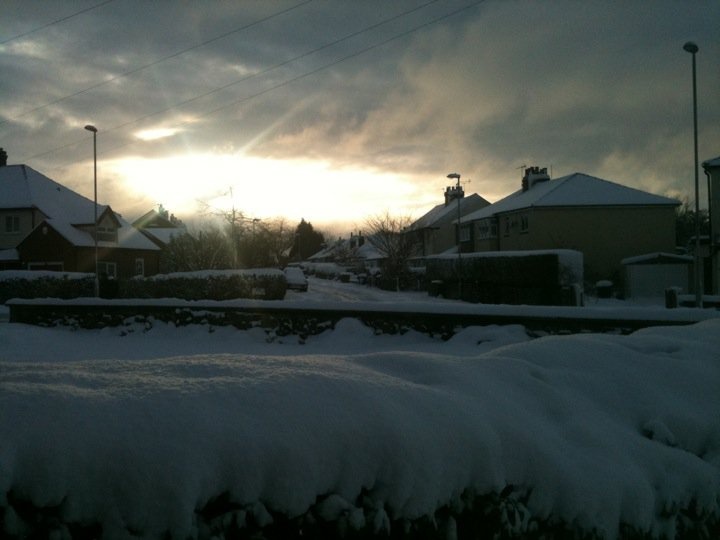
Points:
x=320, y=290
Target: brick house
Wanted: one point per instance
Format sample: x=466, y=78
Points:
x=606, y=221
x=436, y=231
x=46, y=226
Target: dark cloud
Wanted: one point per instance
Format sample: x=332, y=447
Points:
x=598, y=87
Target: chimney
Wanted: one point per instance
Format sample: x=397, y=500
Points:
x=534, y=175
x=452, y=193
x=3, y=157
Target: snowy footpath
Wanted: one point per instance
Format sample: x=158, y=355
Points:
x=195, y=432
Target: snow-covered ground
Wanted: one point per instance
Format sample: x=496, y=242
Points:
x=138, y=428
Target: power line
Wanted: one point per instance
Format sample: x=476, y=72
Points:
x=154, y=62
x=284, y=83
x=271, y=68
x=62, y=19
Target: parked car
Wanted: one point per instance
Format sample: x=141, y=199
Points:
x=296, y=279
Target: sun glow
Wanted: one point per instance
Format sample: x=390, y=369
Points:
x=264, y=188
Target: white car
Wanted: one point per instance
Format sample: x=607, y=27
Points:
x=296, y=279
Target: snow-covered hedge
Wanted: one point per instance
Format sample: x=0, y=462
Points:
x=44, y=284
x=265, y=283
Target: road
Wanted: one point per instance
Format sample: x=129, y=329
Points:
x=327, y=290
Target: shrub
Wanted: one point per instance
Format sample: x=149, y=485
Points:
x=45, y=284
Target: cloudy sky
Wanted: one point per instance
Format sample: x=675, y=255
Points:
x=334, y=111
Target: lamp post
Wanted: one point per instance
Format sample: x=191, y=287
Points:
x=456, y=176
x=692, y=48
x=95, y=232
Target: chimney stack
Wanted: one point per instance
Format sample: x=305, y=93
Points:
x=534, y=175
x=452, y=193
x=3, y=157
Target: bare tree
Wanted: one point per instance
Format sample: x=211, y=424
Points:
x=390, y=235
x=205, y=248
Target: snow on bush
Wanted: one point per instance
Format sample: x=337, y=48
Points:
x=267, y=283
x=600, y=435
x=44, y=284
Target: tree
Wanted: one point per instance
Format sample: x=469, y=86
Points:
x=307, y=241
x=389, y=234
x=266, y=244
x=205, y=248
x=685, y=223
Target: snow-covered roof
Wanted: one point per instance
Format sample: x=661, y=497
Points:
x=443, y=210
x=715, y=162
x=577, y=189
x=9, y=255
x=164, y=234
x=128, y=236
x=369, y=251
x=24, y=187
x=658, y=258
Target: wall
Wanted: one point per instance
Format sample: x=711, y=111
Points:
x=28, y=220
x=605, y=235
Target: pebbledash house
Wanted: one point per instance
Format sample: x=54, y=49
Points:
x=605, y=221
x=46, y=226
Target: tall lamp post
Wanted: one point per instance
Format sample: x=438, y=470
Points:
x=692, y=48
x=456, y=176
x=95, y=232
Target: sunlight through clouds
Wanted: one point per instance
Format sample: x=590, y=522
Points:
x=265, y=188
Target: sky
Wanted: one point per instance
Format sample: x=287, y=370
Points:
x=338, y=111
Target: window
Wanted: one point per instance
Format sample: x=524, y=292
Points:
x=106, y=234
x=524, y=223
x=464, y=234
x=486, y=228
x=139, y=267
x=107, y=269
x=12, y=224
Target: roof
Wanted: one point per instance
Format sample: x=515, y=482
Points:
x=441, y=211
x=128, y=236
x=577, y=189
x=658, y=258
x=710, y=163
x=164, y=234
x=22, y=187
x=9, y=254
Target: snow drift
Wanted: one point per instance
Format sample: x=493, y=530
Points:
x=602, y=433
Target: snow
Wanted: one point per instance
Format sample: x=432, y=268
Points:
x=577, y=189
x=138, y=427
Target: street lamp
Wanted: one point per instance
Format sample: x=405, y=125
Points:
x=456, y=176
x=95, y=233
x=692, y=48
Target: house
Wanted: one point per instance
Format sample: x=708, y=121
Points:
x=160, y=226
x=712, y=273
x=436, y=231
x=607, y=222
x=46, y=226
x=355, y=253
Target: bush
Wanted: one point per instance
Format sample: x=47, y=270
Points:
x=268, y=284
x=42, y=284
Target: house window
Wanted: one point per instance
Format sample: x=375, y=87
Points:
x=507, y=226
x=107, y=269
x=12, y=224
x=139, y=267
x=106, y=234
x=486, y=228
x=524, y=223
x=464, y=234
